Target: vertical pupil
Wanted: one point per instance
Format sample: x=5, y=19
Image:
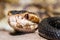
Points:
x=27, y=16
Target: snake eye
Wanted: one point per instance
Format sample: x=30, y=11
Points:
x=27, y=16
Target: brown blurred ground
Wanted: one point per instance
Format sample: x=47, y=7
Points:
x=30, y=36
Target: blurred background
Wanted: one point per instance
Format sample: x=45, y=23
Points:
x=51, y=6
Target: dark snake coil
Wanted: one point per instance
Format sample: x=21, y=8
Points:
x=50, y=28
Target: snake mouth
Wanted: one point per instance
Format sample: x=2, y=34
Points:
x=54, y=23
